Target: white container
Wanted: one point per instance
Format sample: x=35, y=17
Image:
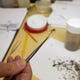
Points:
x=72, y=41
x=36, y=23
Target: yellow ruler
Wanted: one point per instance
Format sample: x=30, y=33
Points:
x=23, y=54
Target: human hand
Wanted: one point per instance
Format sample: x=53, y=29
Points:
x=17, y=67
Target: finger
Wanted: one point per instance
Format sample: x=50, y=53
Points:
x=26, y=74
x=9, y=69
x=10, y=59
x=27, y=68
x=17, y=57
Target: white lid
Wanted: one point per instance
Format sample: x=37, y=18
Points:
x=73, y=25
x=37, y=21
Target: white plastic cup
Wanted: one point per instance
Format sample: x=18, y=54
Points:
x=43, y=6
x=72, y=40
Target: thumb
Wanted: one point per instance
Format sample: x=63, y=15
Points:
x=12, y=68
x=26, y=73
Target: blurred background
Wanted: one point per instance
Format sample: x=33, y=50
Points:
x=26, y=3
